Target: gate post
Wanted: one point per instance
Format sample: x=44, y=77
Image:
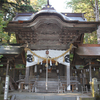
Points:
x=94, y=86
x=6, y=88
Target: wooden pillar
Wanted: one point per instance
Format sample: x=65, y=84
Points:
x=27, y=74
x=31, y=71
x=7, y=70
x=83, y=77
x=14, y=73
x=68, y=76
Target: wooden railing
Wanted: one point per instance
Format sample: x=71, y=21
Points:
x=39, y=83
x=60, y=78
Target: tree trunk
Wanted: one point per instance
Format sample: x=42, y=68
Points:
x=97, y=19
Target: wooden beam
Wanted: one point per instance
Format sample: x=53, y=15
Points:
x=23, y=57
x=48, y=46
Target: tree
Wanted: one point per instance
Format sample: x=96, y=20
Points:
x=87, y=7
x=97, y=19
x=38, y=4
x=3, y=35
x=9, y=9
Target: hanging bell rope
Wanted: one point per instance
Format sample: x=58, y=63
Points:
x=63, y=59
x=38, y=61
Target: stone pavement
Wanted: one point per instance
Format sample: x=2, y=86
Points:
x=50, y=96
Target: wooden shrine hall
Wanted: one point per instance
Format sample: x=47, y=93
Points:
x=49, y=38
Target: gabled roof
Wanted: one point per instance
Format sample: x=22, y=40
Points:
x=88, y=50
x=64, y=16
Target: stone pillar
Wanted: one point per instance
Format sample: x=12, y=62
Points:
x=27, y=74
x=94, y=86
x=68, y=76
x=90, y=71
x=6, y=88
x=6, y=82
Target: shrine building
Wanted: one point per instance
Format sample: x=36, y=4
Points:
x=50, y=55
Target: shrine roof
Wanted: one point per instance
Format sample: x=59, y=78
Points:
x=65, y=16
x=10, y=49
x=88, y=50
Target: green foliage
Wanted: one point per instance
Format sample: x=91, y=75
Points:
x=26, y=8
x=9, y=8
x=87, y=7
x=1, y=56
x=38, y=4
x=71, y=57
x=3, y=35
x=84, y=6
x=20, y=66
x=13, y=38
x=90, y=38
x=0, y=60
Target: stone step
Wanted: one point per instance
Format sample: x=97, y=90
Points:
x=28, y=99
x=48, y=98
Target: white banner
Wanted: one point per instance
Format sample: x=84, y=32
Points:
x=42, y=53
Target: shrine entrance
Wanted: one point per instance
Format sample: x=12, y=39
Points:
x=51, y=80
x=51, y=68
